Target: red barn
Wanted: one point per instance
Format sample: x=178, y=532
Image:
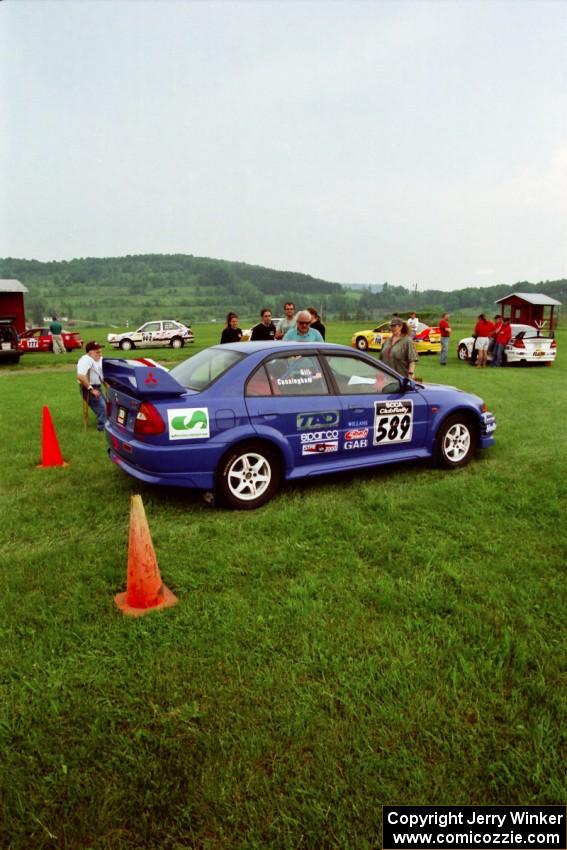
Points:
x=528, y=308
x=12, y=302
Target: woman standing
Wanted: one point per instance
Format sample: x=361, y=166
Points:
x=316, y=322
x=231, y=332
x=482, y=332
x=399, y=350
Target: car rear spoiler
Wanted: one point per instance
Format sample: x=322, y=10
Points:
x=142, y=378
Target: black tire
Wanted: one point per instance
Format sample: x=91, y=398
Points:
x=362, y=343
x=456, y=441
x=248, y=476
x=176, y=342
x=462, y=352
x=126, y=344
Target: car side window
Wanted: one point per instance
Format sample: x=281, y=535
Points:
x=296, y=374
x=259, y=383
x=151, y=327
x=170, y=326
x=354, y=376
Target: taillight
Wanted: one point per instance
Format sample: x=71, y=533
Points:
x=553, y=343
x=519, y=343
x=148, y=420
x=108, y=407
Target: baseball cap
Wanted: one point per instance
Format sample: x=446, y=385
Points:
x=396, y=322
x=93, y=346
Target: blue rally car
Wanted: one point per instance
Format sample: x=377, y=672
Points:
x=238, y=419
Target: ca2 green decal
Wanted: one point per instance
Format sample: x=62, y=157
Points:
x=188, y=423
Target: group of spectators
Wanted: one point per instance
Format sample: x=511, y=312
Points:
x=304, y=326
x=490, y=336
x=398, y=350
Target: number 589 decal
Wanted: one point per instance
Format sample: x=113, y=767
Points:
x=393, y=421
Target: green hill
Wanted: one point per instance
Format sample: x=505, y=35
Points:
x=135, y=288
x=116, y=290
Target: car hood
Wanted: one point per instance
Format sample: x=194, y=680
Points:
x=445, y=388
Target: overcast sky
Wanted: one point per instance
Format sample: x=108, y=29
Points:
x=410, y=141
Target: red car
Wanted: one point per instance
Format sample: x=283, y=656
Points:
x=39, y=339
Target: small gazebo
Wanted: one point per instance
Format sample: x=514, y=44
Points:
x=528, y=308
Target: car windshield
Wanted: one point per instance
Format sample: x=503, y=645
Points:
x=199, y=372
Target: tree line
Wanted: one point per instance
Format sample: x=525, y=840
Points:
x=118, y=288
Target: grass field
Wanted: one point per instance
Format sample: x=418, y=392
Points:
x=396, y=636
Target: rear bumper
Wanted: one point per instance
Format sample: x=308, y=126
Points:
x=193, y=480
x=519, y=356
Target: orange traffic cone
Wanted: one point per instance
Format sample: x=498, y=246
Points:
x=50, y=451
x=145, y=590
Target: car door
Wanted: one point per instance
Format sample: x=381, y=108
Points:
x=288, y=399
x=150, y=334
x=382, y=417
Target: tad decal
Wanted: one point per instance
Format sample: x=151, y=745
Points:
x=326, y=418
x=188, y=423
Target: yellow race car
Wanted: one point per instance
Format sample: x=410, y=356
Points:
x=427, y=340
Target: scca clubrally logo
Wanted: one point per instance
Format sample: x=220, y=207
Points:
x=188, y=423
x=321, y=419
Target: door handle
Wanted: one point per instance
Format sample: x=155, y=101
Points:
x=357, y=409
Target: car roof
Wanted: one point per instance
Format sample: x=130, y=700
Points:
x=273, y=345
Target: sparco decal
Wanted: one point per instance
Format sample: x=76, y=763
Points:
x=326, y=418
x=319, y=436
x=356, y=434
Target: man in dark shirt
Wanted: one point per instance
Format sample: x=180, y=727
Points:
x=55, y=329
x=265, y=329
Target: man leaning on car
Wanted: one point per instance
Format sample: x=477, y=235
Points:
x=90, y=378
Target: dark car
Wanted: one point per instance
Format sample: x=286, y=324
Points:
x=9, y=352
x=238, y=419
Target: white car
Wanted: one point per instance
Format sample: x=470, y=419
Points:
x=527, y=345
x=164, y=334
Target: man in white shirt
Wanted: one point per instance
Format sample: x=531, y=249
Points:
x=413, y=323
x=90, y=377
x=288, y=322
